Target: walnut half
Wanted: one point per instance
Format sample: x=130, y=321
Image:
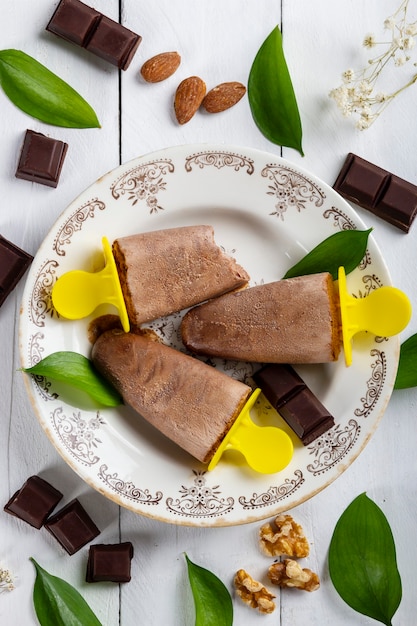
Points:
x=282, y=537
x=253, y=593
x=289, y=573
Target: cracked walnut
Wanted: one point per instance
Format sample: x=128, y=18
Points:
x=253, y=593
x=282, y=537
x=289, y=573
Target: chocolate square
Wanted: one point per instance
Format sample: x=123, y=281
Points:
x=114, y=43
x=109, y=563
x=13, y=264
x=306, y=415
x=278, y=383
x=362, y=181
x=74, y=21
x=41, y=159
x=34, y=501
x=398, y=205
x=72, y=527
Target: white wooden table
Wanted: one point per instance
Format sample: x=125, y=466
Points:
x=218, y=41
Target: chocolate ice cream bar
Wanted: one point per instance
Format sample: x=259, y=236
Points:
x=296, y=320
x=191, y=403
x=294, y=401
x=164, y=271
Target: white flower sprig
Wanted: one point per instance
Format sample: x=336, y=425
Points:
x=6, y=580
x=358, y=95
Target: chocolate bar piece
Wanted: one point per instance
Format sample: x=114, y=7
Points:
x=389, y=197
x=84, y=26
x=72, y=527
x=41, y=159
x=34, y=501
x=294, y=401
x=109, y=563
x=13, y=264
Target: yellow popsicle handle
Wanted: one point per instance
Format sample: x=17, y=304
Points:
x=384, y=312
x=267, y=449
x=77, y=294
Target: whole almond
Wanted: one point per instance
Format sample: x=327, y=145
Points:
x=160, y=67
x=223, y=97
x=188, y=97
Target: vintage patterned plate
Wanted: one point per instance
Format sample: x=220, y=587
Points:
x=267, y=213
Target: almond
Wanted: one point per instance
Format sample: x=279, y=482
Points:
x=223, y=97
x=188, y=97
x=160, y=67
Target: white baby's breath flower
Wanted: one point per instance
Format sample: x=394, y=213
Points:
x=409, y=43
x=369, y=41
x=381, y=97
x=348, y=76
x=389, y=23
x=400, y=60
x=6, y=580
x=411, y=29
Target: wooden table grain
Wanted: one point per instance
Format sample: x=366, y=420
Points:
x=217, y=41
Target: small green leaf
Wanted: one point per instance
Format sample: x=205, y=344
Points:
x=78, y=371
x=271, y=95
x=57, y=603
x=407, y=366
x=43, y=95
x=346, y=248
x=213, y=603
x=362, y=561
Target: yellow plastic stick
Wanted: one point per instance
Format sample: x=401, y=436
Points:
x=77, y=294
x=267, y=449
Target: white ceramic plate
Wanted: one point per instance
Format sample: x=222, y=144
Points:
x=265, y=212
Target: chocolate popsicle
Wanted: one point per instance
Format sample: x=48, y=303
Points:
x=191, y=403
x=164, y=271
x=296, y=320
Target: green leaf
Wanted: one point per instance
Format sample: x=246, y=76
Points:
x=271, y=95
x=43, y=95
x=362, y=561
x=213, y=603
x=407, y=366
x=78, y=371
x=57, y=603
x=346, y=248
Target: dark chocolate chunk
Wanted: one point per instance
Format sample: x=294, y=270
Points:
x=72, y=527
x=389, y=197
x=13, y=264
x=41, y=159
x=74, y=21
x=84, y=26
x=109, y=563
x=34, y=501
x=294, y=401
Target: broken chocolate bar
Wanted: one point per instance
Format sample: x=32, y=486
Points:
x=72, y=527
x=34, y=501
x=41, y=159
x=82, y=25
x=13, y=264
x=109, y=563
x=294, y=401
x=389, y=197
